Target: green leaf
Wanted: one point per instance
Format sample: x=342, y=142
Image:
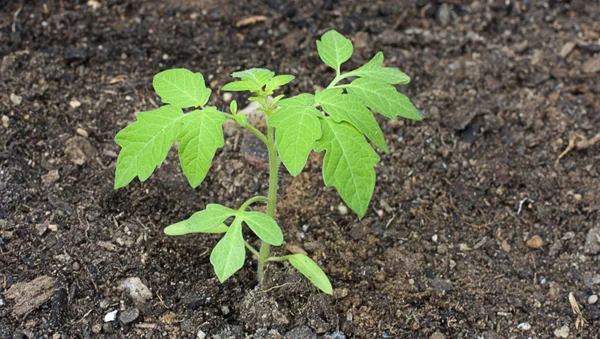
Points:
x=209, y=220
x=374, y=70
x=233, y=107
x=312, y=271
x=297, y=128
x=181, y=228
x=230, y=252
x=146, y=143
x=258, y=76
x=199, y=139
x=334, y=49
x=264, y=226
x=276, y=99
x=238, y=86
x=383, y=98
x=344, y=107
x=241, y=119
x=181, y=88
x=348, y=163
x=279, y=81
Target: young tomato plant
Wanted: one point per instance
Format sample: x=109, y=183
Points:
x=337, y=120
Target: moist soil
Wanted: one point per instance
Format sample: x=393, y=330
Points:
x=475, y=230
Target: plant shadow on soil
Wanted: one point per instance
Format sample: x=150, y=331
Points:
x=443, y=250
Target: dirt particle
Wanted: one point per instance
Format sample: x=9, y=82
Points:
x=592, y=241
x=129, y=316
x=139, y=292
x=79, y=150
x=535, y=242
x=74, y=104
x=111, y=316
x=300, y=332
x=16, y=99
x=592, y=299
x=50, y=177
x=5, y=121
x=591, y=66
x=437, y=335
x=567, y=49
x=82, y=132
x=562, y=332
x=31, y=295
x=342, y=209
x=251, y=20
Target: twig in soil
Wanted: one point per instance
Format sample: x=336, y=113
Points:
x=14, y=24
x=576, y=310
x=582, y=144
x=84, y=316
x=521, y=204
x=279, y=286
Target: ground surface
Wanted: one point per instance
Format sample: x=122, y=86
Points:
x=503, y=85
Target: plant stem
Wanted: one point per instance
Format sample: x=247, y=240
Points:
x=252, y=201
x=273, y=176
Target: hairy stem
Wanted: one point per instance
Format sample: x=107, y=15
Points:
x=273, y=176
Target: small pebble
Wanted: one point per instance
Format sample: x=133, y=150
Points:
x=74, y=103
x=524, y=326
x=562, y=332
x=5, y=121
x=97, y=328
x=434, y=238
x=535, y=242
x=111, y=316
x=129, y=316
x=82, y=132
x=227, y=97
x=592, y=299
x=53, y=227
x=342, y=209
x=139, y=292
x=437, y=335
x=50, y=177
x=16, y=99
x=201, y=334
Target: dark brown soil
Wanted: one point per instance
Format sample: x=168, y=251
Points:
x=444, y=246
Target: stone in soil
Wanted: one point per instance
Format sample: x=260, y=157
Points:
x=139, y=292
x=301, y=332
x=535, y=242
x=129, y=316
x=592, y=241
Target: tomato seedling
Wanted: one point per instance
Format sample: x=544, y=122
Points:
x=337, y=120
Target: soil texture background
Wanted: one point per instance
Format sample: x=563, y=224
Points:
x=475, y=229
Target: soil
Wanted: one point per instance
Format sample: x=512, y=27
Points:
x=474, y=229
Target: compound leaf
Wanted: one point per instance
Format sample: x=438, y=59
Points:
x=146, y=143
x=334, y=49
x=348, y=163
x=229, y=254
x=209, y=220
x=344, y=107
x=264, y=226
x=199, y=139
x=181, y=88
x=258, y=76
x=312, y=271
x=297, y=128
x=383, y=98
x=374, y=70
